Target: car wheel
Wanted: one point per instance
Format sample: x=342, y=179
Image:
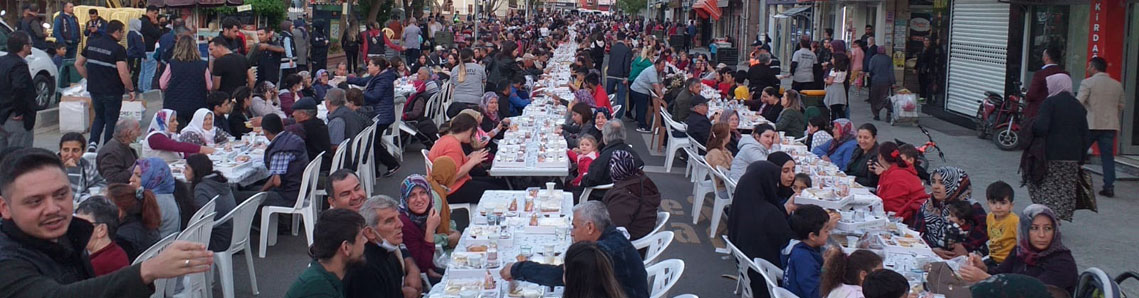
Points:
x=45, y=91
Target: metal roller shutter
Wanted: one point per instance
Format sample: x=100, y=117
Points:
x=978, y=43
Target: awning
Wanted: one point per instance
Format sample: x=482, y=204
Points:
x=794, y=11
x=707, y=9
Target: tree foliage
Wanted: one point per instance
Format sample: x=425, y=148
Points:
x=631, y=7
x=271, y=11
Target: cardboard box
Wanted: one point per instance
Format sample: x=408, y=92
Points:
x=71, y=119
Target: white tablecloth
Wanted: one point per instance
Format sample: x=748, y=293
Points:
x=544, y=243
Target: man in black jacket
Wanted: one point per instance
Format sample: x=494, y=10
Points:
x=17, y=95
x=699, y=127
x=762, y=75
x=617, y=76
x=151, y=31
x=313, y=131
x=43, y=248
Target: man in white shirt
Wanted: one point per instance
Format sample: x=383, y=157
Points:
x=802, y=67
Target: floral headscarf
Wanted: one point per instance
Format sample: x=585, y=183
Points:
x=405, y=188
x=156, y=175
x=159, y=121
x=584, y=96
x=845, y=133
x=934, y=213
x=486, y=98
x=1024, y=249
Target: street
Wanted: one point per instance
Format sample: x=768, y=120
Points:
x=1096, y=239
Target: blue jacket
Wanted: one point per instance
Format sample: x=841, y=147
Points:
x=628, y=266
x=518, y=101
x=165, y=49
x=840, y=157
x=379, y=93
x=72, y=28
x=135, y=46
x=803, y=266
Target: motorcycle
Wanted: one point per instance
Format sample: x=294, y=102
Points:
x=1000, y=117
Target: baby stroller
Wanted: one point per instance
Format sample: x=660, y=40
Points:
x=1094, y=283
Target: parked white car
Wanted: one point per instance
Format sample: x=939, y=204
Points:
x=43, y=70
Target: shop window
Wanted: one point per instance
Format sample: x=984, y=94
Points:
x=1060, y=26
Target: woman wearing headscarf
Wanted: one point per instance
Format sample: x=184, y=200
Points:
x=201, y=130
x=1039, y=252
x=491, y=121
x=1060, y=138
x=786, y=166
x=421, y=223
x=443, y=173
x=161, y=139
x=634, y=199
x=951, y=184
x=758, y=222
x=839, y=150
x=154, y=175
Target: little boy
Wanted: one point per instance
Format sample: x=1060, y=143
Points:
x=1002, y=223
x=60, y=54
x=885, y=283
x=803, y=261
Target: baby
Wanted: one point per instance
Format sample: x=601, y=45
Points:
x=961, y=221
x=583, y=155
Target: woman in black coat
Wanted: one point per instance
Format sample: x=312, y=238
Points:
x=1059, y=141
x=758, y=223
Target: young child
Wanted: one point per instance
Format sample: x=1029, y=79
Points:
x=910, y=155
x=1001, y=222
x=803, y=260
x=583, y=155
x=802, y=181
x=60, y=54
x=885, y=283
x=741, y=92
x=960, y=218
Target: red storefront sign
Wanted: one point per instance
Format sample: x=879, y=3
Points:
x=1106, y=33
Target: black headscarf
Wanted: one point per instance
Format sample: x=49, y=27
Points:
x=758, y=223
x=779, y=158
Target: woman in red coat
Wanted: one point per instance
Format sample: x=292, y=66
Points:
x=898, y=183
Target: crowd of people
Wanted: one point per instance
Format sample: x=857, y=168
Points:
x=77, y=230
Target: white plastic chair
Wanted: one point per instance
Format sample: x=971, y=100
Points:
x=585, y=192
x=338, y=157
x=427, y=161
x=654, y=245
x=695, y=147
x=674, y=143
x=431, y=108
x=364, y=158
x=242, y=219
x=208, y=208
x=197, y=284
x=161, y=286
x=391, y=135
x=616, y=109
x=702, y=182
x=687, y=296
x=721, y=202
x=446, y=93
x=664, y=275
x=743, y=264
x=611, y=103
x=662, y=219
x=299, y=209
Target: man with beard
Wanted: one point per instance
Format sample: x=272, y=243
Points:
x=338, y=245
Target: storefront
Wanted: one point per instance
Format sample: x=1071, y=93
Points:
x=1129, y=72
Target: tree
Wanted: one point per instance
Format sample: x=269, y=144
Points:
x=631, y=7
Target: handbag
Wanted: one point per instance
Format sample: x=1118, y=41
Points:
x=1085, y=193
x=942, y=280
